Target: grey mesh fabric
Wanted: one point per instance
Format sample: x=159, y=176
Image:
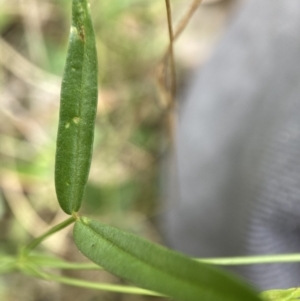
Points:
x=236, y=189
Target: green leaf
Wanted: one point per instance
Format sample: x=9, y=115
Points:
x=281, y=295
x=77, y=111
x=156, y=268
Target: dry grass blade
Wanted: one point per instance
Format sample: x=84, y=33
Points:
x=182, y=25
x=22, y=68
x=31, y=15
x=186, y=18
x=27, y=216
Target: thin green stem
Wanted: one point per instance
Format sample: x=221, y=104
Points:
x=7, y=267
x=245, y=260
x=93, y=285
x=102, y=286
x=53, y=262
x=7, y=264
x=33, y=244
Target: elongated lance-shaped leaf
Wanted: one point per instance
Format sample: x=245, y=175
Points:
x=156, y=268
x=77, y=111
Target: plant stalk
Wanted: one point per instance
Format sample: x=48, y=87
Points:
x=259, y=259
x=33, y=244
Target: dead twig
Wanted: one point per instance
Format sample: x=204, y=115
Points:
x=167, y=97
x=171, y=50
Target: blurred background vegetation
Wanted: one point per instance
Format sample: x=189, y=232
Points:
x=132, y=130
